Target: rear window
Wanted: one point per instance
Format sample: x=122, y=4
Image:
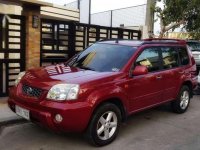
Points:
x=183, y=54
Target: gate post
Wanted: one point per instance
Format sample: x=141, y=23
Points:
x=72, y=39
x=97, y=33
x=32, y=14
x=120, y=34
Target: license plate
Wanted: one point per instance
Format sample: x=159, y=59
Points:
x=22, y=112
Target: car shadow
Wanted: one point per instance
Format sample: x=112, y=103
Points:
x=70, y=137
x=197, y=91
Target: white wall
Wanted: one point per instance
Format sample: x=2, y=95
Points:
x=10, y=9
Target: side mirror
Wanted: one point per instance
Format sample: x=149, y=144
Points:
x=140, y=70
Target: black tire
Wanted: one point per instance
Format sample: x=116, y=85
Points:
x=95, y=122
x=177, y=105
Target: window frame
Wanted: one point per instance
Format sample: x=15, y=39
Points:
x=161, y=65
x=159, y=56
x=189, y=59
x=176, y=49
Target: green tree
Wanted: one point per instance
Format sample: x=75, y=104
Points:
x=176, y=13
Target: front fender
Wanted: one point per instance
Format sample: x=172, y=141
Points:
x=99, y=96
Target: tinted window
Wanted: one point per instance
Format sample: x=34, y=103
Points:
x=103, y=57
x=195, y=46
x=149, y=58
x=169, y=57
x=184, y=58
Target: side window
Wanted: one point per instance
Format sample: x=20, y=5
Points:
x=183, y=54
x=149, y=58
x=169, y=57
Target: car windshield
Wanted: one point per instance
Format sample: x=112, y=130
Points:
x=103, y=57
x=195, y=46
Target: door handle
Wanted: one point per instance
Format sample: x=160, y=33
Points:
x=158, y=77
x=182, y=72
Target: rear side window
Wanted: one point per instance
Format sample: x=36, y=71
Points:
x=149, y=58
x=183, y=54
x=169, y=57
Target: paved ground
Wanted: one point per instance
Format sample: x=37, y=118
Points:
x=155, y=129
x=5, y=113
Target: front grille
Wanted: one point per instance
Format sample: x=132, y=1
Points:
x=31, y=91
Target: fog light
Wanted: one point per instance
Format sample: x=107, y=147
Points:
x=58, y=118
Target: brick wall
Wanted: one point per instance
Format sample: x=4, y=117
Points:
x=32, y=37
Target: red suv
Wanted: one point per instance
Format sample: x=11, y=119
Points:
x=99, y=87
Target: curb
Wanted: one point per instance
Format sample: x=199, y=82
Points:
x=12, y=121
x=3, y=100
x=7, y=123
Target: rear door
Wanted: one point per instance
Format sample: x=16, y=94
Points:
x=171, y=72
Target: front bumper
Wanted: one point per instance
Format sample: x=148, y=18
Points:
x=76, y=116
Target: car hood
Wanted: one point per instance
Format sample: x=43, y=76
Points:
x=46, y=77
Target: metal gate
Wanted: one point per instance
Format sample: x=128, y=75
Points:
x=12, y=50
x=60, y=40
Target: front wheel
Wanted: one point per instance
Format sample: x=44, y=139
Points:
x=104, y=125
x=181, y=104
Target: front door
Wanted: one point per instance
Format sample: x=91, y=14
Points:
x=146, y=90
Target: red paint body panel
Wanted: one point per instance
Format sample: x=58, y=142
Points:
x=135, y=93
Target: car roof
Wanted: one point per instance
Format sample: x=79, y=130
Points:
x=136, y=43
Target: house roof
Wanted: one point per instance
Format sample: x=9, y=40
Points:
x=26, y=2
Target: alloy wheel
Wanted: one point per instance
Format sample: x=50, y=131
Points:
x=185, y=97
x=107, y=125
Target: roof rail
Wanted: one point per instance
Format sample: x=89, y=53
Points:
x=107, y=39
x=116, y=39
x=166, y=40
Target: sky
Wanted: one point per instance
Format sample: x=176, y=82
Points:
x=104, y=5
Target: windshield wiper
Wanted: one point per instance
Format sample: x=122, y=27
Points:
x=74, y=60
x=86, y=68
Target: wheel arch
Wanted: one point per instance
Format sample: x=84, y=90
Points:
x=116, y=101
x=188, y=84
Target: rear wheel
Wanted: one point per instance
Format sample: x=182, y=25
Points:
x=104, y=125
x=181, y=104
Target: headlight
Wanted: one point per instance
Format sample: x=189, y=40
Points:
x=19, y=77
x=61, y=92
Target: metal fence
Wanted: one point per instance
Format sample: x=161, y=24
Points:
x=61, y=39
x=12, y=50
x=130, y=16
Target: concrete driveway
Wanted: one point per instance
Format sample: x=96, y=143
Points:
x=155, y=129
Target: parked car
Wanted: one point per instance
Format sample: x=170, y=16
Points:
x=195, y=48
x=98, y=88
